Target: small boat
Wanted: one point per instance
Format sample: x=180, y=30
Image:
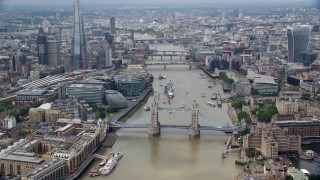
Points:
x=105, y=170
x=214, y=97
x=103, y=162
x=211, y=104
x=118, y=156
x=183, y=105
x=94, y=172
x=146, y=108
x=203, y=95
x=110, y=155
x=209, y=86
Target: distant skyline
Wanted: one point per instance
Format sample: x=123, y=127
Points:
x=156, y=2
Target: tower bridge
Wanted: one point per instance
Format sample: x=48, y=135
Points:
x=154, y=128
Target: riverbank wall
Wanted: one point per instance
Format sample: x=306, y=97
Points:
x=214, y=76
x=232, y=114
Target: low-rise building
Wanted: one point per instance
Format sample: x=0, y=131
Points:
x=50, y=170
x=33, y=95
x=265, y=84
x=303, y=128
x=8, y=122
x=286, y=106
x=242, y=87
x=88, y=92
x=308, y=87
x=297, y=174
x=53, y=115
x=37, y=115
x=272, y=140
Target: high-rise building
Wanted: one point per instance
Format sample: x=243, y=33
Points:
x=298, y=41
x=79, y=46
x=42, y=50
x=112, y=26
x=104, y=58
x=53, y=52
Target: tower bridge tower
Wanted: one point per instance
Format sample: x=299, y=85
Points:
x=154, y=129
x=194, y=131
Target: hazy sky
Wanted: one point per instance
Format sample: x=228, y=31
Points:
x=150, y=2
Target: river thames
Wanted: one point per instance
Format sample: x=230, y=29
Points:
x=173, y=155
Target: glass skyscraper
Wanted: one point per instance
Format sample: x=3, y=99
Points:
x=298, y=41
x=79, y=46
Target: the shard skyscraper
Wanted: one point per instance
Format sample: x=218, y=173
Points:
x=79, y=44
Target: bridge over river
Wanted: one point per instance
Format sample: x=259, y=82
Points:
x=194, y=128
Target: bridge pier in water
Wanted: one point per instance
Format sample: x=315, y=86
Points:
x=190, y=66
x=164, y=67
x=161, y=57
x=154, y=129
x=194, y=131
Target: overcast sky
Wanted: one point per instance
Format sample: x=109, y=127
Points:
x=159, y=2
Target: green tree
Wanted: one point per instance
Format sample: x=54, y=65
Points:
x=254, y=92
x=290, y=178
x=306, y=96
x=314, y=177
x=22, y=133
x=318, y=98
x=265, y=112
x=238, y=103
x=100, y=114
x=242, y=115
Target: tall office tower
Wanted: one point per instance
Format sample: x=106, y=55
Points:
x=13, y=64
x=112, y=26
x=298, y=41
x=58, y=14
x=53, y=52
x=42, y=50
x=79, y=46
x=104, y=58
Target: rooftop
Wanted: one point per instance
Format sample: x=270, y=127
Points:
x=20, y=158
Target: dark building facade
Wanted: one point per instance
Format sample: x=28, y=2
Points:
x=112, y=25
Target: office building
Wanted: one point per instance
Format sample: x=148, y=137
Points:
x=37, y=115
x=88, y=92
x=52, y=115
x=42, y=50
x=53, y=52
x=112, y=26
x=104, y=58
x=115, y=99
x=298, y=41
x=129, y=86
x=265, y=84
x=79, y=44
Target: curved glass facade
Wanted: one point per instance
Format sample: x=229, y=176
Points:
x=298, y=41
x=116, y=99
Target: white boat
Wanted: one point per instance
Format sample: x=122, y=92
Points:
x=118, y=156
x=103, y=162
x=169, y=89
x=211, y=104
x=214, y=97
x=106, y=169
x=203, y=95
x=146, y=108
x=183, y=105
